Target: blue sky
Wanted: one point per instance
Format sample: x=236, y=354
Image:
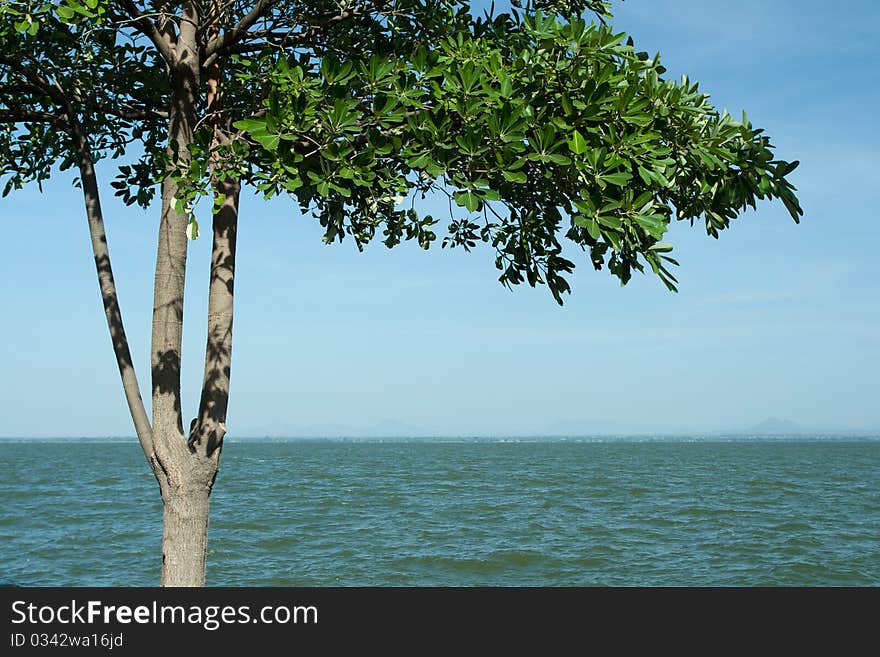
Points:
x=773, y=319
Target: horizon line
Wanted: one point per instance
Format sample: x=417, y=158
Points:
x=598, y=437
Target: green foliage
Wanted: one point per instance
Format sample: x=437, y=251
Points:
x=541, y=129
x=63, y=64
x=536, y=128
x=29, y=17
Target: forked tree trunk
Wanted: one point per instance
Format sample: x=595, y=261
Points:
x=189, y=462
x=184, y=465
x=187, y=499
x=187, y=505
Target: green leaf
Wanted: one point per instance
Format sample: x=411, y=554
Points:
x=468, y=199
x=419, y=161
x=618, y=179
x=588, y=223
x=577, y=143
x=515, y=176
x=786, y=168
x=610, y=221
x=251, y=125
x=269, y=142
x=654, y=224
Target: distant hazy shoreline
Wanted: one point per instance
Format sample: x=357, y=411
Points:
x=659, y=438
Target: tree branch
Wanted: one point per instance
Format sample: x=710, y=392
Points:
x=209, y=427
x=132, y=113
x=38, y=81
x=162, y=40
x=229, y=37
x=22, y=116
x=231, y=43
x=109, y=295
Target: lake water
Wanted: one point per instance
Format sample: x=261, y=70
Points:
x=638, y=512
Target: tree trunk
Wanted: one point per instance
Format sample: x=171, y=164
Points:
x=185, y=536
x=189, y=464
x=186, y=475
x=185, y=518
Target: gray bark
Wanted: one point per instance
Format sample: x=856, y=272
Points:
x=101, y=252
x=187, y=474
x=185, y=518
x=185, y=535
x=209, y=427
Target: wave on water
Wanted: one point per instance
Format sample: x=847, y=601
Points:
x=642, y=511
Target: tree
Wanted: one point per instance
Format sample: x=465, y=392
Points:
x=538, y=126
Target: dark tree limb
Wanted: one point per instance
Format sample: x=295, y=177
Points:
x=232, y=41
x=33, y=116
x=36, y=80
x=241, y=28
x=163, y=40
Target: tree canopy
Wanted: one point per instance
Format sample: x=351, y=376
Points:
x=540, y=127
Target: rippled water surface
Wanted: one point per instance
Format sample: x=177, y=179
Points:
x=416, y=513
